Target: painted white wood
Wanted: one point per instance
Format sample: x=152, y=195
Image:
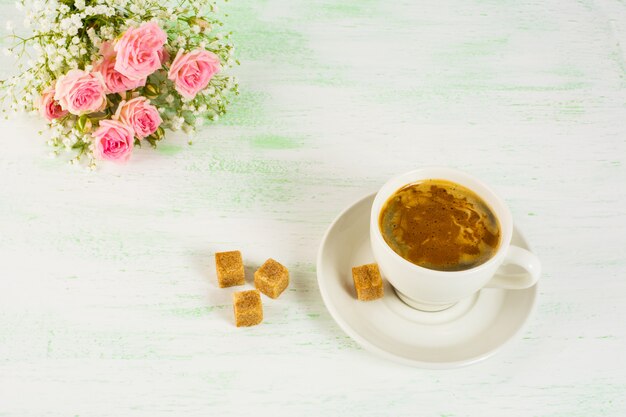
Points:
x=108, y=297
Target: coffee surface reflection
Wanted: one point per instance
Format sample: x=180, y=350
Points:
x=440, y=225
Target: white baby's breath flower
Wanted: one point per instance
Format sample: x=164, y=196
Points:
x=60, y=48
x=65, y=24
x=106, y=32
x=177, y=122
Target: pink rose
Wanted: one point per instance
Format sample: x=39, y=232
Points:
x=106, y=49
x=114, y=141
x=138, y=51
x=49, y=107
x=140, y=115
x=81, y=92
x=192, y=72
x=115, y=81
x=164, y=56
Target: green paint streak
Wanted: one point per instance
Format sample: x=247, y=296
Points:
x=266, y=183
x=247, y=109
x=567, y=71
x=195, y=311
x=570, y=108
x=262, y=36
x=483, y=47
x=569, y=86
x=467, y=65
x=346, y=8
x=166, y=148
x=239, y=166
x=313, y=315
x=304, y=267
x=273, y=38
x=273, y=142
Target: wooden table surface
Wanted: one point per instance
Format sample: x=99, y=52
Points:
x=108, y=298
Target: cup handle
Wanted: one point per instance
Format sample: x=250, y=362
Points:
x=517, y=280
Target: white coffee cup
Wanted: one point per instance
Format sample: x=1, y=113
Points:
x=433, y=290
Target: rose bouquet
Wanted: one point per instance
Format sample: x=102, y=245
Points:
x=108, y=75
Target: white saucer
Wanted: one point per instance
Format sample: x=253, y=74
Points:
x=466, y=333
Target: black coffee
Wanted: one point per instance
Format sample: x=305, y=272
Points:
x=440, y=225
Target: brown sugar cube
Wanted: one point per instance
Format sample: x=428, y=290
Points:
x=248, y=308
x=367, y=282
x=229, y=268
x=271, y=278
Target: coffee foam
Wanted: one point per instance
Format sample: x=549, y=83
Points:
x=440, y=225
